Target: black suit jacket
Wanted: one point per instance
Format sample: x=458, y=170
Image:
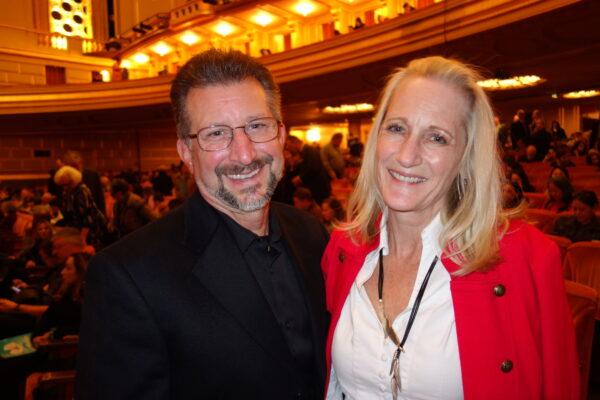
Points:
x=172, y=311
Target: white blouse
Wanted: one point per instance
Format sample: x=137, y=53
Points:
x=361, y=355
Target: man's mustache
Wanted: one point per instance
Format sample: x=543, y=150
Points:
x=236, y=169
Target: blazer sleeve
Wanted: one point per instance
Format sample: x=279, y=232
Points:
x=121, y=352
x=559, y=354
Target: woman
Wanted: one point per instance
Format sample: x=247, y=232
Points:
x=78, y=206
x=560, y=195
x=63, y=314
x=433, y=291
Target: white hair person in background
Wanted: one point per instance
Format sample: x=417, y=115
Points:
x=434, y=291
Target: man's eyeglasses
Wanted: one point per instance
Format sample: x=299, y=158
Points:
x=219, y=137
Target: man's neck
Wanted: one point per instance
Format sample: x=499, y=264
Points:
x=256, y=222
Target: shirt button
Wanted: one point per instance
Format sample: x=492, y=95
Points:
x=499, y=290
x=288, y=324
x=382, y=387
x=506, y=366
x=384, y=357
x=382, y=375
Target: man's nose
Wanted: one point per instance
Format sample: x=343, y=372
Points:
x=242, y=148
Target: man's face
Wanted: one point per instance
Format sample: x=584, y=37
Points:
x=242, y=177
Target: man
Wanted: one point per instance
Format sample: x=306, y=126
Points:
x=332, y=157
x=129, y=211
x=308, y=170
x=222, y=298
x=519, y=130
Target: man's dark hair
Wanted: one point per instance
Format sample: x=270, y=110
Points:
x=119, y=186
x=219, y=67
x=587, y=197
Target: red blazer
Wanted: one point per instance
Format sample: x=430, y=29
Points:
x=513, y=323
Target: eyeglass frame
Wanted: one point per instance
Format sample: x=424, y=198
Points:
x=233, y=129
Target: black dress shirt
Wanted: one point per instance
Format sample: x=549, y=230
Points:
x=281, y=284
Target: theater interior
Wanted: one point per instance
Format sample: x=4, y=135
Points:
x=94, y=76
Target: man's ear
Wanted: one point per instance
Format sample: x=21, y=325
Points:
x=282, y=135
x=185, y=153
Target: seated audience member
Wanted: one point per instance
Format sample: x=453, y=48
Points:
x=61, y=317
x=551, y=157
x=530, y=155
x=512, y=195
x=560, y=194
x=593, y=158
x=303, y=200
x=560, y=173
x=332, y=213
x=41, y=232
x=519, y=177
x=129, y=211
x=584, y=225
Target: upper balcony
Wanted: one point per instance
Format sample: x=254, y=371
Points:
x=314, y=43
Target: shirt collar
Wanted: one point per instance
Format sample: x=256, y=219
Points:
x=244, y=237
x=429, y=238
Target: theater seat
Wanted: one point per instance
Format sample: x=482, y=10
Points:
x=563, y=244
x=584, y=306
x=582, y=265
x=541, y=219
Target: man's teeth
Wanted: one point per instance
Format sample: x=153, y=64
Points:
x=408, y=179
x=244, y=176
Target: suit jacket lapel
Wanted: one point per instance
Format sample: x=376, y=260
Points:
x=223, y=271
x=311, y=279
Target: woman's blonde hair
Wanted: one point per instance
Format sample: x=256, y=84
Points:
x=472, y=214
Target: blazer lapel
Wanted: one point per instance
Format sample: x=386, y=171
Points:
x=223, y=271
x=307, y=260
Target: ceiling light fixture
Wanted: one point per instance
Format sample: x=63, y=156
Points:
x=189, y=38
x=140, y=58
x=224, y=28
x=349, y=108
x=304, y=8
x=581, y=94
x=515, y=82
x=263, y=18
x=161, y=48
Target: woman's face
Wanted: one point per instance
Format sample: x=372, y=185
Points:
x=583, y=212
x=554, y=192
x=420, y=145
x=69, y=272
x=43, y=230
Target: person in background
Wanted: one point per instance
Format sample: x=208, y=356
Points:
x=332, y=213
x=303, y=200
x=583, y=225
x=560, y=195
x=78, y=207
x=557, y=132
x=332, y=157
x=89, y=177
x=308, y=169
x=512, y=195
x=431, y=286
x=130, y=212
